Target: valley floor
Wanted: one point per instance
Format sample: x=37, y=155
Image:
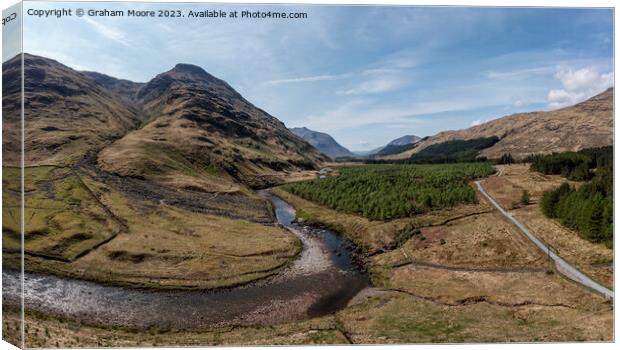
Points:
x=594, y=259
x=469, y=276
x=80, y=224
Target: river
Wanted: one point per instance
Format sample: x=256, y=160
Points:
x=320, y=281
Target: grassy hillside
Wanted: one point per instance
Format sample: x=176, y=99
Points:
x=453, y=151
x=66, y=113
x=585, y=125
x=143, y=184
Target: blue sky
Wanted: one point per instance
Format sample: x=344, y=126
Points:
x=365, y=75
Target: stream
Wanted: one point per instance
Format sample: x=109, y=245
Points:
x=322, y=280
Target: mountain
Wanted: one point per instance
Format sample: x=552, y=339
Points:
x=201, y=134
x=398, y=145
x=66, y=113
x=395, y=146
x=183, y=129
x=122, y=87
x=585, y=125
x=404, y=140
x=323, y=142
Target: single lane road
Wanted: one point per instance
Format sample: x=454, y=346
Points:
x=563, y=267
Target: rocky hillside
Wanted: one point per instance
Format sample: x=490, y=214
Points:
x=122, y=87
x=323, y=142
x=584, y=125
x=184, y=128
x=66, y=114
x=201, y=134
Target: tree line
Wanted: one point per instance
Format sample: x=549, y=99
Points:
x=589, y=208
x=392, y=191
x=575, y=166
x=453, y=151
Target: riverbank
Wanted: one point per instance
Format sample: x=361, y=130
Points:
x=388, y=317
x=92, y=226
x=320, y=281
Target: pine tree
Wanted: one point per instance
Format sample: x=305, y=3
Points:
x=549, y=202
x=580, y=173
x=525, y=197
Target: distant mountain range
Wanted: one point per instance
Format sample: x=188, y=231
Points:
x=329, y=146
x=585, y=125
x=323, y=142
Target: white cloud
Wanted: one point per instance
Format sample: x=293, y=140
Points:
x=364, y=112
x=375, y=86
x=578, y=85
x=520, y=74
x=325, y=77
x=519, y=102
x=108, y=32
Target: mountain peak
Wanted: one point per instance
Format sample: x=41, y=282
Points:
x=184, y=76
x=301, y=128
x=322, y=141
x=190, y=69
x=405, y=140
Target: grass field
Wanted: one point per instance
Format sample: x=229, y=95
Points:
x=476, y=241
x=79, y=227
x=593, y=259
x=62, y=219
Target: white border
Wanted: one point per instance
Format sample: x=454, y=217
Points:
x=481, y=3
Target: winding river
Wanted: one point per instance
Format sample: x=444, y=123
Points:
x=320, y=281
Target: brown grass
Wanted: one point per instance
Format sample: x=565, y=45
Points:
x=152, y=245
x=593, y=259
x=45, y=331
x=479, y=241
x=402, y=318
x=502, y=288
x=508, y=188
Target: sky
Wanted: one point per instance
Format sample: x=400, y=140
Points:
x=363, y=74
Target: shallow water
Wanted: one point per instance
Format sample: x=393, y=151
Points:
x=321, y=281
